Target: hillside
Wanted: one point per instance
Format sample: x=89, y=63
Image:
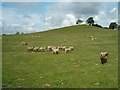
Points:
x=80, y=68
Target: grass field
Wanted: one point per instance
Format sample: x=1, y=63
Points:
x=0, y=61
x=80, y=68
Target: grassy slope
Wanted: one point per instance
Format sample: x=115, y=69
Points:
x=79, y=69
x=0, y=61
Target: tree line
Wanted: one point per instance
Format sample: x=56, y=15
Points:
x=90, y=21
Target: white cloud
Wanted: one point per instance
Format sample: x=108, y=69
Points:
x=96, y=18
x=114, y=10
x=47, y=18
x=22, y=22
x=69, y=19
x=111, y=20
x=105, y=17
x=54, y=16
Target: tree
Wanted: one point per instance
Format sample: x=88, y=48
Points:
x=79, y=21
x=118, y=28
x=97, y=25
x=90, y=21
x=17, y=32
x=113, y=25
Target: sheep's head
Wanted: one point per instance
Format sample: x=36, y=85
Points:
x=104, y=54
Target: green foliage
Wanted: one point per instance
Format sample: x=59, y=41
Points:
x=79, y=21
x=113, y=25
x=90, y=21
x=80, y=68
x=17, y=32
x=97, y=25
x=118, y=27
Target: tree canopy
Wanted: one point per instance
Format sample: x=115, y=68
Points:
x=79, y=21
x=90, y=21
x=118, y=27
x=113, y=25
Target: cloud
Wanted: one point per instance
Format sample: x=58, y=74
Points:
x=22, y=5
x=77, y=8
x=69, y=20
x=13, y=28
x=103, y=13
x=66, y=13
x=22, y=22
x=39, y=16
x=114, y=10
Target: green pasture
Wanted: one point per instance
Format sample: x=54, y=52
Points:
x=80, y=68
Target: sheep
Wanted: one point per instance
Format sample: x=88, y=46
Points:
x=24, y=43
x=71, y=47
x=54, y=47
x=55, y=51
x=67, y=50
x=49, y=48
x=36, y=49
x=103, y=57
x=30, y=49
x=60, y=47
x=92, y=38
x=42, y=49
x=63, y=48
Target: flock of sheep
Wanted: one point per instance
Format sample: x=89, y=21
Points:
x=57, y=49
x=53, y=49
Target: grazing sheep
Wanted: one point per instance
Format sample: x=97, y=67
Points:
x=63, y=48
x=103, y=57
x=42, y=49
x=36, y=49
x=60, y=47
x=54, y=47
x=55, y=51
x=71, y=47
x=24, y=43
x=67, y=50
x=30, y=49
x=49, y=48
x=92, y=38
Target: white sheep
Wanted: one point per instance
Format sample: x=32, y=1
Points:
x=42, y=49
x=103, y=57
x=63, y=48
x=49, y=48
x=36, y=49
x=59, y=47
x=24, y=43
x=30, y=49
x=71, y=47
x=67, y=50
x=55, y=51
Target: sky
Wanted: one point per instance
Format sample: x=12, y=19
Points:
x=28, y=17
